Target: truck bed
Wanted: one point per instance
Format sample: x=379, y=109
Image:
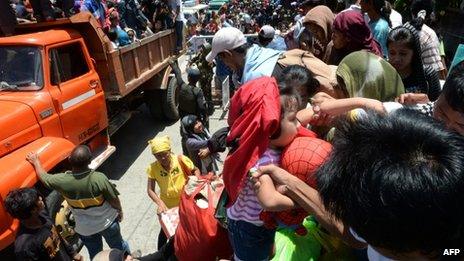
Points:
x=121, y=70
x=133, y=65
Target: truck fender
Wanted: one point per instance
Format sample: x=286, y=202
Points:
x=166, y=76
x=17, y=172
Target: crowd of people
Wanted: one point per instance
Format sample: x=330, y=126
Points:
x=336, y=113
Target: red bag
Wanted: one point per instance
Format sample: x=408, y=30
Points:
x=199, y=236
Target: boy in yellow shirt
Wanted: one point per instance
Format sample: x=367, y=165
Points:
x=170, y=173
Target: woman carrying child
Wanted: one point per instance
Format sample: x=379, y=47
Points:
x=197, y=144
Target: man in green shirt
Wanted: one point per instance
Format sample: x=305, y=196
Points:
x=93, y=200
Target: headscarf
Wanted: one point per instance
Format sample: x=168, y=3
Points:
x=254, y=116
x=160, y=144
x=188, y=124
x=369, y=76
x=323, y=17
x=351, y=23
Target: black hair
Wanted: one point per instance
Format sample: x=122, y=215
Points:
x=111, y=4
x=408, y=35
x=112, y=35
x=397, y=181
x=454, y=88
x=80, y=157
x=289, y=101
x=307, y=37
x=263, y=40
x=310, y=3
x=19, y=203
x=296, y=75
x=383, y=9
x=416, y=7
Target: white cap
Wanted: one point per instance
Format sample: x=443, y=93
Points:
x=267, y=31
x=227, y=38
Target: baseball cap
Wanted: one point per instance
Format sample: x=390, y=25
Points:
x=227, y=38
x=267, y=31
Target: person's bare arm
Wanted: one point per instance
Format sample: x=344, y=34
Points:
x=151, y=185
x=116, y=204
x=412, y=98
x=269, y=198
x=33, y=158
x=342, y=106
x=308, y=198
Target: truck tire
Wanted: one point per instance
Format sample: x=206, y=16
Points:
x=171, y=101
x=54, y=202
x=153, y=100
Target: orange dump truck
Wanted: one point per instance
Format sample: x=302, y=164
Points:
x=62, y=84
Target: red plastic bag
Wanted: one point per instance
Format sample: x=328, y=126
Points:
x=199, y=236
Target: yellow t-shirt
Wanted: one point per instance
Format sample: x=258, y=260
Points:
x=171, y=182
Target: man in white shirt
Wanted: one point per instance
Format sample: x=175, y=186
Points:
x=176, y=6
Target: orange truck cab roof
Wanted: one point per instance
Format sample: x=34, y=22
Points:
x=43, y=38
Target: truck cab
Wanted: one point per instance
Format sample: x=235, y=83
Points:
x=51, y=100
x=63, y=85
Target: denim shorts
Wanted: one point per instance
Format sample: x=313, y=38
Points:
x=250, y=242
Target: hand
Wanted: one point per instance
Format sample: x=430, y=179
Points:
x=161, y=208
x=319, y=98
x=412, y=98
x=279, y=176
x=78, y=257
x=120, y=216
x=320, y=117
x=255, y=178
x=32, y=157
x=204, y=153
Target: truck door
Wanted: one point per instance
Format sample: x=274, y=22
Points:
x=76, y=91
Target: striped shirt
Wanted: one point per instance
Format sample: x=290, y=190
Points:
x=430, y=48
x=247, y=207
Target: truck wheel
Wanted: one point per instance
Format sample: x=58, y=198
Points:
x=171, y=101
x=153, y=100
x=60, y=212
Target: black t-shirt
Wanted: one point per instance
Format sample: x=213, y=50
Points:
x=43, y=243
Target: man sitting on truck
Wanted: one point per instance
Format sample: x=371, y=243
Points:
x=37, y=238
x=93, y=200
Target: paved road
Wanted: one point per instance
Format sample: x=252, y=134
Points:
x=126, y=168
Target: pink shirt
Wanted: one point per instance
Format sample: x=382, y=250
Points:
x=247, y=207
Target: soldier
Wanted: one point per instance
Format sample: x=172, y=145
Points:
x=191, y=99
x=206, y=70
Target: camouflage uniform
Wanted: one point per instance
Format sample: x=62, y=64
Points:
x=206, y=72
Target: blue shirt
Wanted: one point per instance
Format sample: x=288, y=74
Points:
x=380, y=30
x=123, y=37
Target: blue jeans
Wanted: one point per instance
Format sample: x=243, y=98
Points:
x=179, y=29
x=112, y=235
x=250, y=242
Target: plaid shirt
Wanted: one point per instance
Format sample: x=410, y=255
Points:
x=430, y=48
